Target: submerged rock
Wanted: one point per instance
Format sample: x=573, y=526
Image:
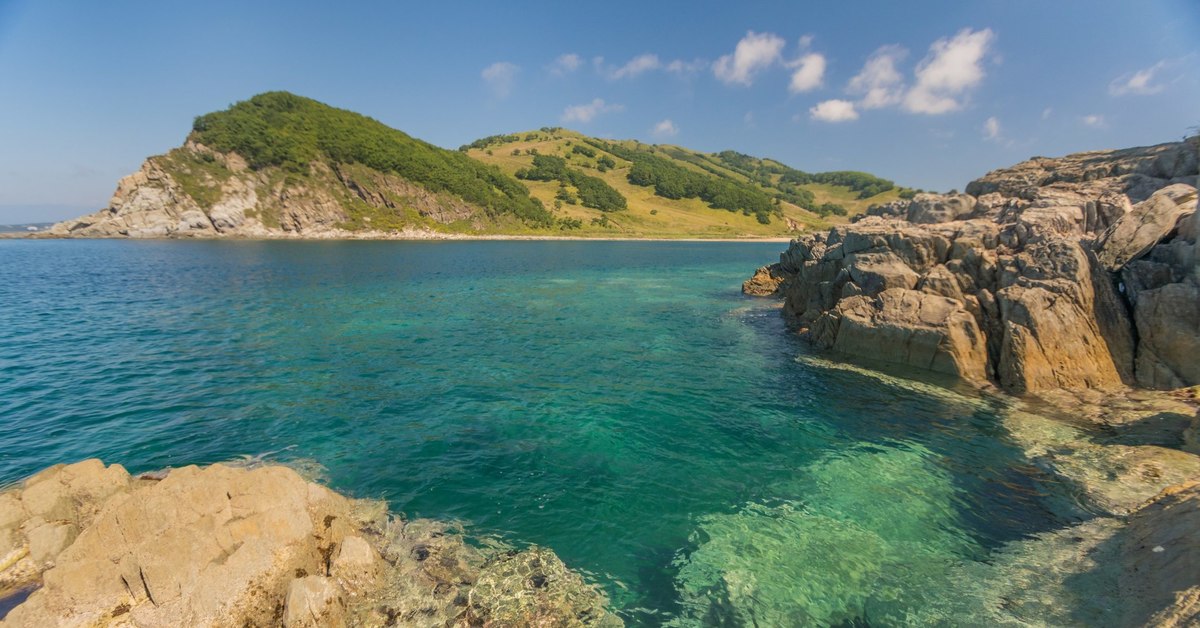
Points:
x=1077, y=272
x=227, y=546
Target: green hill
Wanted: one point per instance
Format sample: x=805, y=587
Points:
x=283, y=165
x=671, y=191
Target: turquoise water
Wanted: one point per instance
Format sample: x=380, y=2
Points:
x=619, y=402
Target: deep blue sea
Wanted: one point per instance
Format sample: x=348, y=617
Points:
x=619, y=402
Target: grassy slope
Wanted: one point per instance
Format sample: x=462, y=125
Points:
x=293, y=142
x=651, y=215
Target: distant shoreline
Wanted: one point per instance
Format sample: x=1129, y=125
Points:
x=402, y=236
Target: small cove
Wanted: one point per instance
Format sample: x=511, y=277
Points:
x=619, y=402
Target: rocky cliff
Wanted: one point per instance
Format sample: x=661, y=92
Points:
x=1076, y=272
x=279, y=164
x=90, y=545
x=195, y=191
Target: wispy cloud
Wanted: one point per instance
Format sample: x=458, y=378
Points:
x=952, y=68
x=808, y=73
x=636, y=66
x=666, y=128
x=1095, y=120
x=1142, y=82
x=566, y=64
x=834, y=111
x=754, y=53
x=679, y=66
x=645, y=63
x=500, y=77
x=879, y=83
x=994, y=132
x=588, y=111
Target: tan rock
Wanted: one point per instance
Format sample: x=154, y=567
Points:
x=1134, y=234
x=911, y=328
x=12, y=511
x=1168, y=324
x=1051, y=334
x=357, y=565
x=48, y=540
x=1160, y=552
x=314, y=602
x=234, y=546
x=876, y=272
x=765, y=282
x=935, y=208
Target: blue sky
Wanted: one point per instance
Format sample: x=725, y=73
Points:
x=929, y=94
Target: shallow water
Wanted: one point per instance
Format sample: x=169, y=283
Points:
x=619, y=402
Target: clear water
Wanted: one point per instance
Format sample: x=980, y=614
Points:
x=619, y=402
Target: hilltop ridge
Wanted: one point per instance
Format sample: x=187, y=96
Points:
x=281, y=165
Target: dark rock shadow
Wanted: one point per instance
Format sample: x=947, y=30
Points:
x=1164, y=429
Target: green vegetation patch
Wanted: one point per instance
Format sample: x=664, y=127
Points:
x=200, y=175
x=671, y=180
x=290, y=132
x=593, y=191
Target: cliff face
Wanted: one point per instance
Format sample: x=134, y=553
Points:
x=194, y=191
x=1077, y=272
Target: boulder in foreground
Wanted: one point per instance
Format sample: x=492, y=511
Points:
x=233, y=546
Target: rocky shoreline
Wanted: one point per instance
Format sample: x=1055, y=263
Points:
x=1072, y=273
x=1074, y=284
x=90, y=545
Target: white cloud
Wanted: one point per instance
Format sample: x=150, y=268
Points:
x=753, y=53
x=1140, y=82
x=565, y=64
x=587, y=112
x=666, y=128
x=834, y=111
x=952, y=68
x=879, y=82
x=991, y=129
x=680, y=66
x=1095, y=120
x=805, y=42
x=808, y=74
x=500, y=77
x=1046, y=113
x=644, y=63
x=638, y=65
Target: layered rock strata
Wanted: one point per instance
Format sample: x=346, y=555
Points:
x=90, y=545
x=1078, y=272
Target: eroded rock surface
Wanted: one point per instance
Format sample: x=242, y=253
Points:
x=228, y=546
x=1078, y=272
x=194, y=191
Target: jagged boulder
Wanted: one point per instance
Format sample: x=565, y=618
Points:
x=907, y=327
x=1149, y=222
x=765, y=282
x=1052, y=335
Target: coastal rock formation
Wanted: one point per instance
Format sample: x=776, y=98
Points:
x=195, y=191
x=1077, y=272
x=90, y=545
x=1160, y=539
x=765, y=282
